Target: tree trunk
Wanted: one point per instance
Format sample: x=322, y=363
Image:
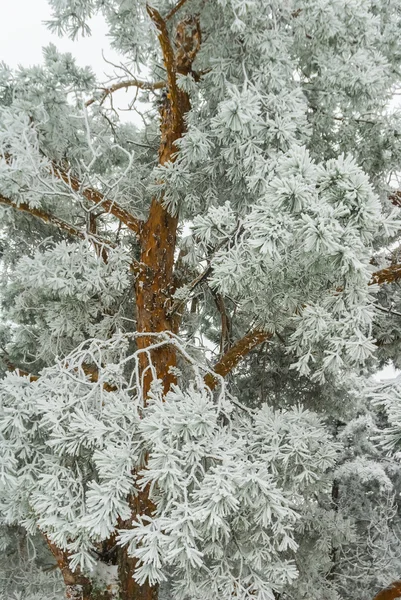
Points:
x=155, y=284
x=77, y=586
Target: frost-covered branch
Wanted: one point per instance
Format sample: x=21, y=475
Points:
x=46, y=218
x=97, y=198
x=143, y=85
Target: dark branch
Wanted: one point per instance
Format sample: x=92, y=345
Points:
x=143, y=85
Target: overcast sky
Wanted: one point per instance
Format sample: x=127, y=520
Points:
x=23, y=34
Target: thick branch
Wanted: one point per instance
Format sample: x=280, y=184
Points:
x=95, y=197
x=143, y=85
x=236, y=353
x=44, y=216
x=167, y=50
x=77, y=585
x=390, y=593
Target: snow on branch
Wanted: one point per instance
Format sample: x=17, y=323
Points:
x=97, y=198
x=143, y=85
x=46, y=218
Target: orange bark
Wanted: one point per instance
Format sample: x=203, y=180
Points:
x=155, y=282
x=390, y=593
x=155, y=285
x=235, y=354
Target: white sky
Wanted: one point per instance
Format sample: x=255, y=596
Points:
x=23, y=34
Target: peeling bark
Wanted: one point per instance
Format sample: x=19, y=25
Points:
x=77, y=586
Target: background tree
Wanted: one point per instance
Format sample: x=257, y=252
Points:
x=190, y=306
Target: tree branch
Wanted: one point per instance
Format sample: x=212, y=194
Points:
x=225, y=333
x=175, y=9
x=386, y=275
x=254, y=338
x=50, y=219
x=167, y=50
x=96, y=197
x=235, y=354
x=45, y=217
x=143, y=85
x=390, y=593
x=20, y=372
x=90, y=371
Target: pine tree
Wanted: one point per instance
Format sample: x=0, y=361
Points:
x=191, y=306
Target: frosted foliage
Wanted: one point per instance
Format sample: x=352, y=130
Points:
x=228, y=484
x=269, y=468
x=78, y=294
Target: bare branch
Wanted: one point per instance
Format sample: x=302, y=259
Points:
x=143, y=85
x=167, y=49
x=236, y=353
x=225, y=333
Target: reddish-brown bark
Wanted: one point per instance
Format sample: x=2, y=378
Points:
x=235, y=354
x=155, y=283
x=77, y=586
x=389, y=274
x=390, y=593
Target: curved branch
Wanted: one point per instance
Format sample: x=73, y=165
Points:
x=143, y=85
